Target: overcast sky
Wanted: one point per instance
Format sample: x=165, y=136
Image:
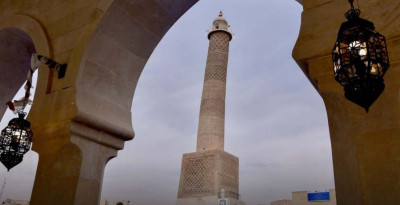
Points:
x=275, y=120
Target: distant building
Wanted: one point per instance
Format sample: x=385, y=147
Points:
x=309, y=198
x=104, y=202
x=122, y=203
x=282, y=202
x=15, y=202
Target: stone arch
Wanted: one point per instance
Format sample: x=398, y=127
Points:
x=363, y=154
x=90, y=107
x=20, y=36
x=102, y=75
x=14, y=62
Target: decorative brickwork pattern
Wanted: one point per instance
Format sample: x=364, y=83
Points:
x=217, y=57
x=199, y=176
x=215, y=72
x=219, y=41
x=213, y=107
x=210, y=134
x=229, y=174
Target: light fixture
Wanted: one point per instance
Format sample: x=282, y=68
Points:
x=16, y=138
x=15, y=141
x=360, y=59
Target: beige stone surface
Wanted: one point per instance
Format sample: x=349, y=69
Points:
x=207, y=173
x=280, y=202
x=206, y=200
x=365, y=146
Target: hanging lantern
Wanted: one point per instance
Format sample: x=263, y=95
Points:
x=360, y=59
x=16, y=138
x=15, y=141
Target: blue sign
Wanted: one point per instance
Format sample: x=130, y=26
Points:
x=318, y=196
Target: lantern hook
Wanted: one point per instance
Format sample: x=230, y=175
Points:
x=21, y=114
x=351, y=3
x=353, y=13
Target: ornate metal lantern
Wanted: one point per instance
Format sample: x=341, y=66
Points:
x=15, y=141
x=360, y=59
x=16, y=138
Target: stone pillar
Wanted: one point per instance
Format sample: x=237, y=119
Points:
x=365, y=146
x=71, y=167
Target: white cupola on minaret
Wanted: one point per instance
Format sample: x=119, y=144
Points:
x=220, y=24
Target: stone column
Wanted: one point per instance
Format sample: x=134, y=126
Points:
x=71, y=167
x=365, y=146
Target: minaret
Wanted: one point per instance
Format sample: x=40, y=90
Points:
x=210, y=134
x=210, y=174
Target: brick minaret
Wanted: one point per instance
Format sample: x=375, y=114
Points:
x=211, y=174
x=210, y=134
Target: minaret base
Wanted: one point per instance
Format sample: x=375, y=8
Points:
x=207, y=176
x=208, y=200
